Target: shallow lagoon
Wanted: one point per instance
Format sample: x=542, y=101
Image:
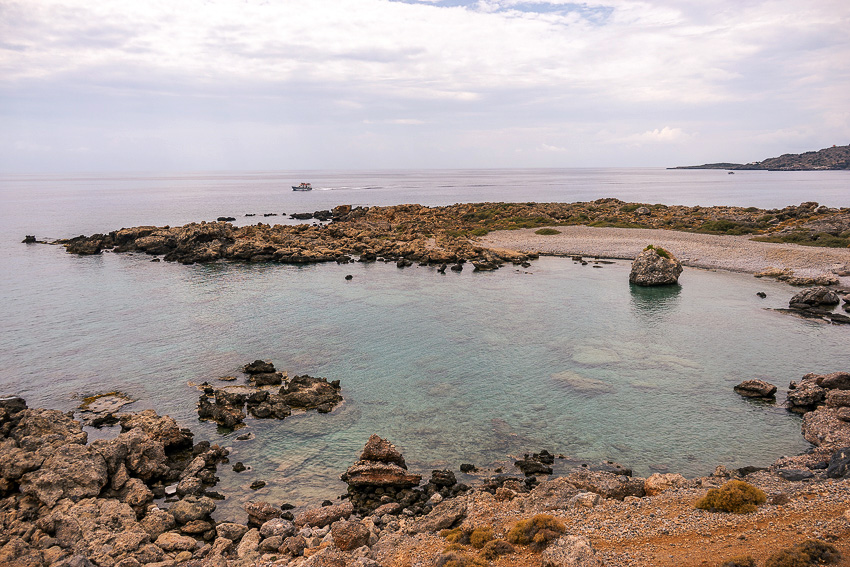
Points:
x=469, y=367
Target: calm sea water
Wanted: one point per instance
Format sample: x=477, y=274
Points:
x=470, y=367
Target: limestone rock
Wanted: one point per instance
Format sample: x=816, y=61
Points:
x=606, y=484
x=585, y=500
x=823, y=427
x=838, y=399
x=170, y=541
x=249, y=546
x=277, y=527
x=374, y=474
x=192, y=508
x=231, y=530
x=73, y=471
x=570, y=551
x=813, y=297
x=554, y=494
x=756, y=389
x=655, y=266
x=159, y=428
x=658, y=483
x=348, y=536
x=260, y=512
x=259, y=367
x=806, y=396
x=307, y=392
x=382, y=451
x=444, y=515
x=321, y=517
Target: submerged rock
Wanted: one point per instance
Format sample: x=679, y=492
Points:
x=655, y=266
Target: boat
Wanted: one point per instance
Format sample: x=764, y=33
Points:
x=302, y=187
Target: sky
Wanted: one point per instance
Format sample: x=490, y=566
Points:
x=193, y=85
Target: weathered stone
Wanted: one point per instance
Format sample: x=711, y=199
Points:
x=795, y=475
x=553, y=494
x=159, y=428
x=277, y=527
x=231, y=530
x=260, y=512
x=295, y=545
x=570, y=551
x=73, y=471
x=249, y=545
x=267, y=379
x=605, y=484
x=585, y=500
x=259, y=367
x=838, y=398
x=381, y=450
x=196, y=527
x=157, y=522
x=756, y=389
x=834, y=381
x=444, y=515
x=375, y=474
x=839, y=464
x=349, y=535
x=655, y=266
x=321, y=517
x=805, y=397
x=823, y=427
x=307, y=392
x=192, y=508
x=170, y=541
x=135, y=493
x=815, y=296
x=658, y=483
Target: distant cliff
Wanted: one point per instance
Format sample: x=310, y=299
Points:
x=836, y=157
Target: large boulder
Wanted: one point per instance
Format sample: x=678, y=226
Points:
x=73, y=471
x=380, y=465
x=658, y=483
x=805, y=396
x=607, y=485
x=756, y=389
x=326, y=515
x=159, y=428
x=307, y=392
x=814, y=297
x=655, y=266
x=839, y=464
x=824, y=427
x=349, y=535
x=570, y=551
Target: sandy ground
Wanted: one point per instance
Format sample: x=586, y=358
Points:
x=733, y=253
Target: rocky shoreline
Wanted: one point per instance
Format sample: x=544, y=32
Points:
x=145, y=497
x=408, y=234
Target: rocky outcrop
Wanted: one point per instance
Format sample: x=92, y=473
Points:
x=607, y=485
x=660, y=482
x=655, y=266
x=756, y=389
x=570, y=551
x=380, y=465
x=814, y=297
x=306, y=392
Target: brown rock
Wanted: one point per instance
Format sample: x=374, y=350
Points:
x=838, y=398
x=349, y=535
x=606, y=484
x=382, y=451
x=371, y=473
x=321, y=517
x=170, y=541
x=756, y=389
x=655, y=266
x=658, y=483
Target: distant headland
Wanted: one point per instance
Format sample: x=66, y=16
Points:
x=836, y=157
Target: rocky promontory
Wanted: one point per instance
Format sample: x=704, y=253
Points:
x=836, y=157
x=408, y=234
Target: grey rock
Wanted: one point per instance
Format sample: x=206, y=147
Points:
x=607, y=485
x=73, y=471
x=231, y=530
x=326, y=515
x=192, y=508
x=815, y=296
x=651, y=268
x=795, y=475
x=277, y=527
x=570, y=551
x=839, y=464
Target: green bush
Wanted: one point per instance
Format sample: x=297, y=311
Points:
x=726, y=226
x=547, y=231
x=658, y=250
x=630, y=208
x=735, y=496
x=536, y=532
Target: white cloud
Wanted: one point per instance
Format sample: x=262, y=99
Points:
x=627, y=66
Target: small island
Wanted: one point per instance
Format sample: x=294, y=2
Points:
x=834, y=158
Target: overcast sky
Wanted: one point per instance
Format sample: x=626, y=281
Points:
x=151, y=85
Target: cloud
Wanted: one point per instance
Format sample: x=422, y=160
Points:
x=462, y=67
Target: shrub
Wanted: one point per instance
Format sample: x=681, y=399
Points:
x=547, y=231
x=480, y=536
x=658, y=250
x=735, y=496
x=456, y=535
x=495, y=548
x=741, y=561
x=454, y=559
x=536, y=532
x=630, y=208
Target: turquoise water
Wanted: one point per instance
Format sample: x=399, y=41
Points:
x=469, y=367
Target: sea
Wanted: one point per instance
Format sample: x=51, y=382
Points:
x=467, y=367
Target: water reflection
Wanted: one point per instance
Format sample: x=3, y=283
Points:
x=654, y=302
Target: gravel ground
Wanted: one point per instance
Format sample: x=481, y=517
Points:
x=733, y=253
